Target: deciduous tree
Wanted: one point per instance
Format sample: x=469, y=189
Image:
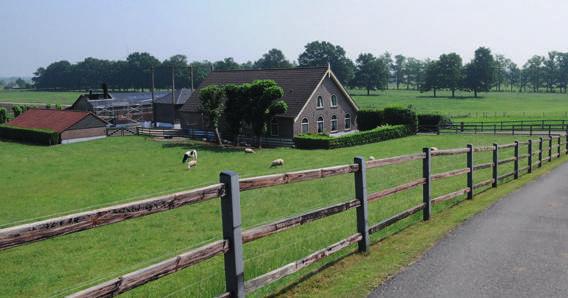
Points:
x=320, y=53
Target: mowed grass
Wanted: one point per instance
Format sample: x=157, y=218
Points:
x=488, y=106
x=38, y=97
x=37, y=182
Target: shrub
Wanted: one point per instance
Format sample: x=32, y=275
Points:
x=58, y=107
x=48, y=106
x=431, y=122
x=404, y=116
x=370, y=119
x=29, y=135
x=381, y=133
x=3, y=115
x=17, y=110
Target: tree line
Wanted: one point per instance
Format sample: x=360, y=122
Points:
x=483, y=73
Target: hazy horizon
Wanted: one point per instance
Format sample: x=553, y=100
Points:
x=40, y=32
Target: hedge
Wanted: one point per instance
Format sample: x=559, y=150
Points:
x=29, y=135
x=370, y=119
x=381, y=133
x=404, y=116
x=431, y=122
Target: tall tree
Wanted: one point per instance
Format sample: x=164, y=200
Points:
x=501, y=66
x=226, y=64
x=264, y=102
x=139, y=69
x=513, y=75
x=399, y=68
x=370, y=73
x=387, y=59
x=200, y=71
x=550, y=65
x=273, y=59
x=415, y=73
x=320, y=53
x=432, y=77
x=533, y=70
x=212, y=99
x=562, y=71
x=450, y=71
x=479, y=73
x=236, y=106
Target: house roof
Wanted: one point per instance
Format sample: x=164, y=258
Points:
x=56, y=120
x=298, y=84
x=180, y=95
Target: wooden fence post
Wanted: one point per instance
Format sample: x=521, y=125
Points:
x=470, y=174
x=559, y=145
x=530, y=130
x=549, y=148
x=530, y=158
x=231, y=217
x=361, y=195
x=461, y=126
x=426, y=188
x=566, y=140
x=516, y=164
x=540, y=140
x=495, y=164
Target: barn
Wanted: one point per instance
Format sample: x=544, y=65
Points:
x=166, y=107
x=72, y=126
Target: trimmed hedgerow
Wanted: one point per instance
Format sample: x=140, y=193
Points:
x=404, y=116
x=381, y=133
x=431, y=122
x=370, y=119
x=29, y=135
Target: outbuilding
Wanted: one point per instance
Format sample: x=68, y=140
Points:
x=72, y=126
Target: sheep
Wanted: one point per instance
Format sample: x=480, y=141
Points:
x=191, y=163
x=249, y=150
x=371, y=157
x=433, y=148
x=277, y=162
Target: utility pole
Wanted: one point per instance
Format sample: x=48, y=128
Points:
x=153, y=99
x=173, y=96
x=191, y=77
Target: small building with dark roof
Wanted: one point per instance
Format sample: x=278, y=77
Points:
x=118, y=108
x=72, y=126
x=166, y=107
x=317, y=101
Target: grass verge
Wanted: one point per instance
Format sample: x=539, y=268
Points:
x=357, y=274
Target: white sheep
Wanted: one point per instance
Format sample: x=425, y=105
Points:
x=277, y=162
x=433, y=148
x=371, y=157
x=191, y=163
x=249, y=150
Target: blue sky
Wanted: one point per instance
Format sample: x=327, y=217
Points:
x=36, y=33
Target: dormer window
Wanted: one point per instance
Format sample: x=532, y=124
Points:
x=334, y=100
x=320, y=102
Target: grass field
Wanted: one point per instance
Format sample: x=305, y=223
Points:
x=487, y=107
x=16, y=96
x=38, y=182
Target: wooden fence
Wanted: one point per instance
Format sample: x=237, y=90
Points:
x=515, y=127
x=230, y=186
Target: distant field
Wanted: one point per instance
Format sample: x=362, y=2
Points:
x=39, y=182
x=489, y=106
x=63, y=98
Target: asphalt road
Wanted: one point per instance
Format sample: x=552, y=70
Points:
x=517, y=248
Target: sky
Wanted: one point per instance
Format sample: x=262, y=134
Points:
x=38, y=32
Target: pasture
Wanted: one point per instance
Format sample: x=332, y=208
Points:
x=491, y=106
x=39, y=182
x=38, y=97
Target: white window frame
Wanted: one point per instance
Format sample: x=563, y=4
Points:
x=333, y=105
x=334, y=120
x=307, y=124
x=322, y=124
x=347, y=121
x=319, y=100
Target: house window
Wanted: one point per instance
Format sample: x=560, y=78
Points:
x=333, y=123
x=273, y=127
x=305, y=125
x=320, y=124
x=347, y=121
x=320, y=102
x=334, y=100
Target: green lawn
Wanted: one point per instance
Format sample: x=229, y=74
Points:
x=44, y=97
x=39, y=182
x=488, y=107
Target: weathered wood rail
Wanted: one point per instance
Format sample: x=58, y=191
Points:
x=230, y=186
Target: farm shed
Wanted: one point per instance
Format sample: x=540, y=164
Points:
x=166, y=107
x=317, y=103
x=118, y=108
x=72, y=126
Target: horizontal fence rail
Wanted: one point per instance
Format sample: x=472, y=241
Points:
x=230, y=186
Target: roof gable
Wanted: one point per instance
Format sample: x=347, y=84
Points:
x=298, y=84
x=56, y=120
